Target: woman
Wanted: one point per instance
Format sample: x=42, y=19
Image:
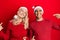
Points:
x=17, y=27
x=1, y=32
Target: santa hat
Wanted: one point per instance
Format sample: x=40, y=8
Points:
x=38, y=7
x=23, y=8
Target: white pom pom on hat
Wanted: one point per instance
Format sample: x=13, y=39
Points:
x=23, y=8
x=38, y=7
x=33, y=7
x=15, y=16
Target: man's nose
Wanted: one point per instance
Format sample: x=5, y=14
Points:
x=37, y=12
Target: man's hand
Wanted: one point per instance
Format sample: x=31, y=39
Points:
x=57, y=15
x=1, y=26
x=24, y=38
x=33, y=38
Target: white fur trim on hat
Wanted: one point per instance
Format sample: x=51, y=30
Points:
x=38, y=7
x=23, y=8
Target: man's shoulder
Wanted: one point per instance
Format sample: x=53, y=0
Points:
x=47, y=20
x=32, y=22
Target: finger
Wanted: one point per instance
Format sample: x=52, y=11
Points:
x=1, y=23
x=56, y=14
x=33, y=36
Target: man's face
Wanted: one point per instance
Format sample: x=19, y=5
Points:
x=38, y=13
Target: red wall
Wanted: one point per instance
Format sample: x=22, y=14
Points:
x=9, y=7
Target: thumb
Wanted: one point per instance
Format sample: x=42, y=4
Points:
x=1, y=23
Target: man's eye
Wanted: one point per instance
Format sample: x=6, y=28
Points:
x=40, y=10
x=36, y=11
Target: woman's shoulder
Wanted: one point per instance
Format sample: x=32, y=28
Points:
x=10, y=22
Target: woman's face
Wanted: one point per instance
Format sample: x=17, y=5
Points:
x=38, y=13
x=21, y=13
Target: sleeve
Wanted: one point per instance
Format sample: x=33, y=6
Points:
x=55, y=26
x=4, y=36
x=31, y=32
x=7, y=34
x=1, y=35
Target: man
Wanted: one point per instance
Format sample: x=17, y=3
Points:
x=40, y=29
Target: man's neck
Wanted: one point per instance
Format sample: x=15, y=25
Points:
x=40, y=19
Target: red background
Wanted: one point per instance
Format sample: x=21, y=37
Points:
x=8, y=8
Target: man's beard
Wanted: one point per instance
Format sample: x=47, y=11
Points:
x=38, y=17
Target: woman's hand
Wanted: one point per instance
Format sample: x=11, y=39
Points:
x=1, y=26
x=57, y=15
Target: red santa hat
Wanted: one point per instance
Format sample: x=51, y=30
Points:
x=23, y=8
x=38, y=7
